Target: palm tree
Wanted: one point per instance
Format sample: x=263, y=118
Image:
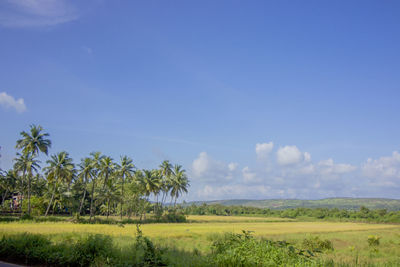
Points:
x=125, y=170
x=86, y=173
x=34, y=142
x=31, y=143
x=179, y=182
x=158, y=183
x=109, y=194
x=107, y=167
x=96, y=159
x=61, y=169
x=26, y=163
x=166, y=171
x=149, y=182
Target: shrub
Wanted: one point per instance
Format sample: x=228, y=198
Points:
x=26, y=216
x=373, y=240
x=93, y=248
x=146, y=253
x=245, y=250
x=37, y=206
x=37, y=249
x=173, y=217
x=25, y=247
x=315, y=244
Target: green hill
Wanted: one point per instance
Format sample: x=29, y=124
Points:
x=340, y=203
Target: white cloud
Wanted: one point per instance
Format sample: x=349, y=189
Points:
x=295, y=175
x=201, y=164
x=289, y=155
x=308, y=169
x=328, y=167
x=207, y=169
x=384, y=167
x=232, y=166
x=263, y=149
x=233, y=191
x=9, y=101
x=307, y=157
x=249, y=176
x=36, y=13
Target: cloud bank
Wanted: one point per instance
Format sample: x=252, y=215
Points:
x=8, y=101
x=291, y=173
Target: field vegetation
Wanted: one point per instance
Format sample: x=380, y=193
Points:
x=101, y=212
x=186, y=244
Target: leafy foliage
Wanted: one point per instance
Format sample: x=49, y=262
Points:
x=315, y=244
x=245, y=250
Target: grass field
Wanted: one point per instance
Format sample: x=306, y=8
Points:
x=349, y=239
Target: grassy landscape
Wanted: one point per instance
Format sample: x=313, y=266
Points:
x=106, y=213
x=194, y=240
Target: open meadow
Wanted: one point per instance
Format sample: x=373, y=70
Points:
x=350, y=240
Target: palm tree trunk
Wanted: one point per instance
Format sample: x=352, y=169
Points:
x=91, y=203
x=156, y=205
x=29, y=194
x=108, y=208
x=162, y=198
x=122, y=194
x=48, y=207
x=83, y=200
x=22, y=191
x=105, y=180
x=51, y=200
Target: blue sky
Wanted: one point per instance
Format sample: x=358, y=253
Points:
x=256, y=99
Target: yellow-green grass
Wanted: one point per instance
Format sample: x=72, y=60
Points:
x=349, y=239
x=234, y=219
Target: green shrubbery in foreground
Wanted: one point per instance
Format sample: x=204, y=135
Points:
x=93, y=250
x=245, y=250
x=98, y=250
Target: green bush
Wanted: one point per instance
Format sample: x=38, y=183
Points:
x=373, y=240
x=245, y=250
x=173, y=217
x=92, y=250
x=315, y=244
x=28, y=248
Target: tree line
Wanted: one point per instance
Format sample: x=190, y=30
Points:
x=96, y=185
x=362, y=214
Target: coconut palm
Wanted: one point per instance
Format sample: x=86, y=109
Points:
x=60, y=169
x=107, y=167
x=35, y=141
x=166, y=171
x=109, y=194
x=125, y=170
x=31, y=143
x=96, y=159
x=179, y=182
x=26, y=164
x=86, y=173
x=150, y=182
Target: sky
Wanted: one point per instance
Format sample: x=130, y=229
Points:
x=256, y=99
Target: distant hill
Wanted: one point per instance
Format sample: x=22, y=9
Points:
x=340, y=203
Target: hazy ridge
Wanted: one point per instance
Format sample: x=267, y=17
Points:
x=340, y=203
